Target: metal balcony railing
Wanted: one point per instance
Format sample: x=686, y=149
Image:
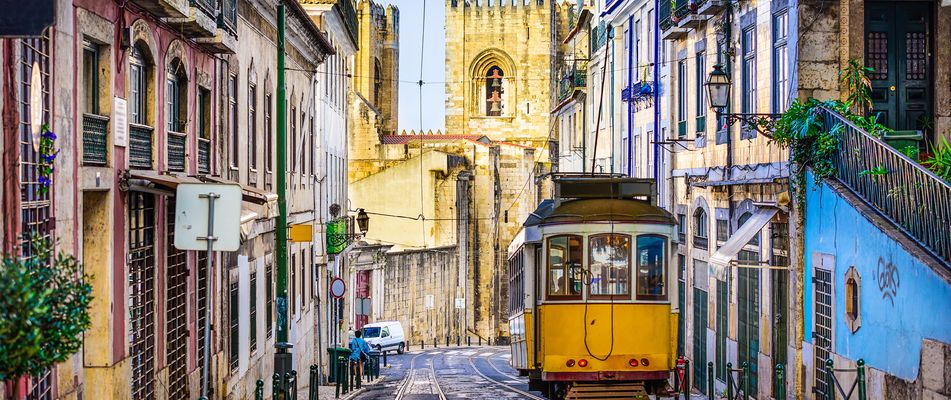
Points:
x=572, y=80
x=908, y=194
x=681, y=8
x=700, y=242
x=208, y=6
x=664, y=13
x=228, y=15
x=204, y=156
x=176, y=151
x=95, y=139
x=140, y=146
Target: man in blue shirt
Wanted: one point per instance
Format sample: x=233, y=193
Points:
x=359, y=350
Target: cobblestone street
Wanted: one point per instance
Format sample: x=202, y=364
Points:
x=453, y=373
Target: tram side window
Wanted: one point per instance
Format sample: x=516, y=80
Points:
x=609, y=260
x=651, y=267
x=565, y=266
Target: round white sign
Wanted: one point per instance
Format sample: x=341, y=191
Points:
x=338, y=288
x=36, y=105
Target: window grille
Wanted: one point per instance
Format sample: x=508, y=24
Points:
x=142, y=294
x=176, y=311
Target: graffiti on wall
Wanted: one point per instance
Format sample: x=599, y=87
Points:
x=889, y=280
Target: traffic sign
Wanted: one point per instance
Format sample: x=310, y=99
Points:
x=338, y=288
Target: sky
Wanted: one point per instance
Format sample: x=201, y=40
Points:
x=433, y=63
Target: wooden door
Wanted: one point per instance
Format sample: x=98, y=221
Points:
x=898, y=44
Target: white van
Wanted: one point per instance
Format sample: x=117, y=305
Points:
x=385, y=336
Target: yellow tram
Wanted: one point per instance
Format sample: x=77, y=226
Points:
x=592, y=290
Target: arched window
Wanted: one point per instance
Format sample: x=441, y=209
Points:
x=176, y=113
x=377, y=82
x=700, y=229
x=176, y=97
x=494, y=91
x=139, y=71
x=140, y=113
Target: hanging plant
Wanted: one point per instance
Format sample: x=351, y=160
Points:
x=48, y=153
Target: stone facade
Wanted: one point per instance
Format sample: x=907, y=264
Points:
x=518, y=39
x=375, y=96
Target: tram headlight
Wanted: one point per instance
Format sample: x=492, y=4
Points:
x=570, y=363
x=633, y=362
x=582, y=363
x=645, y=362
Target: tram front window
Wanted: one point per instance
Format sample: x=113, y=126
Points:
x=564, y=266
x=651, y=267
x=609, y=260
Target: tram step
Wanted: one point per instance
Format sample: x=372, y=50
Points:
x=606, y=391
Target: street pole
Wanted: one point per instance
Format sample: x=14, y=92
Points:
x=282, y=355
x=210, y=240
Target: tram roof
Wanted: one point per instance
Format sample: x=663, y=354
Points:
x=601, y=210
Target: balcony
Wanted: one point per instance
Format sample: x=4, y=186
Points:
x=920, y=208
x=700, y=242
x=228, y=17
x=198, y=22
x=95, y=140
x=687, y=14
x=574, y=80
x=668, y=21
x=140, y=146
x=176, y=151
x=223, y=42
x=710, y=7
x=204, y=156
x=164, y=8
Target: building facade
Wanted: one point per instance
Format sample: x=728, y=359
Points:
x=145, y=96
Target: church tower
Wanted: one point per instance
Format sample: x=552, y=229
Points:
x=499, y=57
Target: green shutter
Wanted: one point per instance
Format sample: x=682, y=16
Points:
x=723, y=312
x=700, y=310
x=748, y=328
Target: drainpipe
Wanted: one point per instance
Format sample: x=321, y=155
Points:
x=611, y=37
x=630, y=80
x=656, y=83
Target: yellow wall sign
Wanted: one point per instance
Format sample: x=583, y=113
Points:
x=302, y=233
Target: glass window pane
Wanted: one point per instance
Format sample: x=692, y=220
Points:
x=609, y=264
x=651, y=267
x=564, y=266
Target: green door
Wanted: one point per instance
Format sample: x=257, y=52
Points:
x=748, y=322
x=898, y=47
x=700, y=309
x=723, y=312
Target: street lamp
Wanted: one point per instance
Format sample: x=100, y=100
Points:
x=363, y=221
x=719, y=87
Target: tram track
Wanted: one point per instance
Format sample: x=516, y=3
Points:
x=411, y=377
x=500, y=383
